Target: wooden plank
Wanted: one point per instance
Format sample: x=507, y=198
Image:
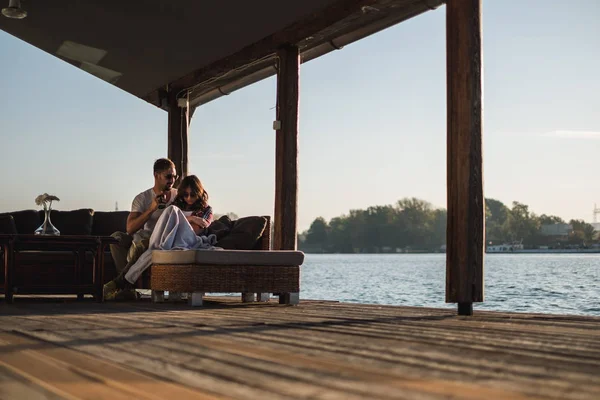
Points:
x=15, y=386
x=177, y=137
x=286, y=148
x=70, y=374
x=289, y=374
x=202, y=351
x=466, y=207
x=198, y=372
x=560, y=385
x=350, y=377
x=545, y=348
x=319, y=349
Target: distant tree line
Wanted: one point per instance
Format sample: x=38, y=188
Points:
x=518, y=223
x=414, y=225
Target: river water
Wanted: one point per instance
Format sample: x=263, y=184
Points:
x=544, y=283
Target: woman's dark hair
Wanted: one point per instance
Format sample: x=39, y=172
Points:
x=192, y=183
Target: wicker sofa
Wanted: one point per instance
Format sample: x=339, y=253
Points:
x=246, y=265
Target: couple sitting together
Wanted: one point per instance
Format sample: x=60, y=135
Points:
x=161, y=218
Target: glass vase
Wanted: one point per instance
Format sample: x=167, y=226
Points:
x=47, y=228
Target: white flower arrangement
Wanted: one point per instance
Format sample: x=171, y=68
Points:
x=46, y=200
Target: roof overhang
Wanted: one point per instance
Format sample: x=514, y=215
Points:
x=204, y=49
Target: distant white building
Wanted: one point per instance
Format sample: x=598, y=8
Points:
x=505, y=247
x=556, y=229
x=596, y=226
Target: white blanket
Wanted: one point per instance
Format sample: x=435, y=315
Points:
x=172, y=232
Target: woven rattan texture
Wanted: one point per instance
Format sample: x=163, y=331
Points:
x=225, y=278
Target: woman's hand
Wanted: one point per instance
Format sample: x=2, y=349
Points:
x=201, y=222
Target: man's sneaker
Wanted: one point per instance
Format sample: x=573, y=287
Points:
x=110, y=291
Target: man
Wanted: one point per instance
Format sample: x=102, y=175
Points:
x=146, y=208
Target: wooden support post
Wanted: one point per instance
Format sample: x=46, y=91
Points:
x=466, y=204
x=178, y=137
x=286, y=147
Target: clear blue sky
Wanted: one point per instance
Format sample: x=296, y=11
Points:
x=372, y=123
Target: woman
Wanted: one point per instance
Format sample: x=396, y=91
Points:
x=170, y=231
x=192, y=199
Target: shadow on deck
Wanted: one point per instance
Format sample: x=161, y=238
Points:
x=56, y=348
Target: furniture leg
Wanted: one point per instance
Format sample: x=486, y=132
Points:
x=8, y=271
x=158, y=296
x=247, y=297
x=174, y=296
x=263, y=297
x=195, y=299
x=99, y=272
x=79, y=263
x=289, y=298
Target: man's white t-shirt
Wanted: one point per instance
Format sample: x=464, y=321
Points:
x=143, y=201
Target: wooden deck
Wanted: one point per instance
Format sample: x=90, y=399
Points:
x=55, y=349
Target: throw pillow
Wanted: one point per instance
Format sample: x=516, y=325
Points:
x=26, y=221
x=76, y=222
x=108, y=222
x=245, y=233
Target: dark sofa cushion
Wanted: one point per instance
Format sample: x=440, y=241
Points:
x=108, y=222
x=220, y=228
x=244, y=234
x=7, y=224
x=26, y=221
x=76, y=222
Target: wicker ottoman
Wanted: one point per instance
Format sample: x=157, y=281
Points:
x=224, y=271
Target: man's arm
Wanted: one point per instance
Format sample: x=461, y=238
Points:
x=136, y=220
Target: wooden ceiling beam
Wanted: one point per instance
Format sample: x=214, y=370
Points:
x=294, y=33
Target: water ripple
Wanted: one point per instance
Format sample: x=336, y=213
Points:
x=556, y=283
